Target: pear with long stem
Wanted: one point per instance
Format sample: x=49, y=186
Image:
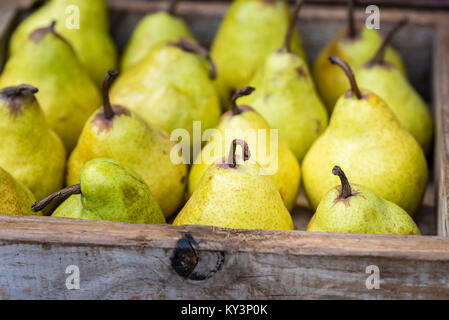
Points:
x=365, y=137
x=352, y=208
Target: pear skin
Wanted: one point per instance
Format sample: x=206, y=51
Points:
x=384, y=79
x=84, y=23
x=110, y=191
x=245, y=123
x=366, y=138
x=170, y=88
x=249, y=32
x=234, y=194
x=155, y=29
x=16, y=198
x=29, y=150
x=360, y=211
x=117, y=133
x=66, y=93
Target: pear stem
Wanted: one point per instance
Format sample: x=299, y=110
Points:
x=347, y=69
x=380, y=54
x=17, y=91
x=61, y=194
x=352, y=32
x=231, y=157
x=187, y=45
x=345, y=186
x=108, y=79
x=237, y=94
x=171, y=9
x=292, y=24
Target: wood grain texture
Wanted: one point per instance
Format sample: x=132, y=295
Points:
x=127, y=261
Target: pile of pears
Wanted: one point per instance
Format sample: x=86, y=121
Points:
x=81, y=140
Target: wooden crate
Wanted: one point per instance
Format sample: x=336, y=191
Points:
x=130, y=261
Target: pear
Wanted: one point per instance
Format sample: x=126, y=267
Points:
x=170, y=88
x=66, y=93
x=109, y=190
x=357, y=209
x=365, y=137
x=354, y=45
x=84, y=23
x=286, y=97
x=29, y=150
x=152, y=31
x=235, y=194
x=384, y=79
x=248, y=33
x=16, y=198
x=117, y=133
x=245, y=123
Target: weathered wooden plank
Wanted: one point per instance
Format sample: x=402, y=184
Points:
x=134, y=261
x=441, y=93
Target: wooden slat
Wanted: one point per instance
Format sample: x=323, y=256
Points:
x=441, y=93
x=134, y=261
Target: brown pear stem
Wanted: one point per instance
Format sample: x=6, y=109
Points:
x=347, y=69
x=345, y=186
x=245, y=149
x=380, y=54
x=292, y=24
x=237, y=94
x=108, y=79
x=352, y=31
x=63, y=193
x=171, y=9
x=187, y=45
x=11, y=92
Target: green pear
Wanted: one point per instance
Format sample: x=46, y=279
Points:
x=84, y=23
x=287, y=99
x=248, y=33
x=234, y=193
x=385, y=80
x=109, y=190
x=117, y=133
x=365, y=137
x=357, y=209
x=152, y=31
x=29, y=150
x=170, y=88
x=15, y=197
x=354, y=45
x=243, y=122
x=66, y=93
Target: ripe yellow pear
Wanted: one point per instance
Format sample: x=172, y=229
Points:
x=234, y=194
x=152, y=31
x=366, y=138
x=270, y=152
x=15, y=197
x=117, y=133
x=29, y=150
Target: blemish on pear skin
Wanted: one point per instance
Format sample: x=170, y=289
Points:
x=301, y=72
x=183, y=179
x=318, y=126
x=104, y=124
